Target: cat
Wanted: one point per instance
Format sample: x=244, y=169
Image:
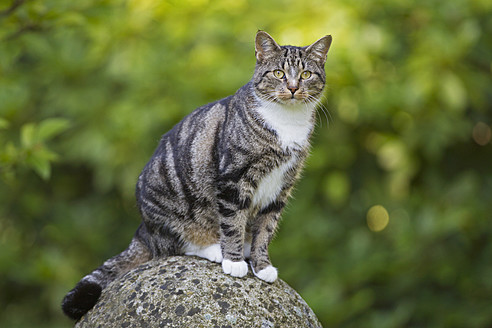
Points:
x=218, y=181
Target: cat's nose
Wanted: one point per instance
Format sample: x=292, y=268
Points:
x=293, y=89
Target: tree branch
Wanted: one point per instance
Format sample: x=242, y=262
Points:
x=16, y=4
x=24, y=29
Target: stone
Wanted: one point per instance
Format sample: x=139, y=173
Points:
x=186, y=291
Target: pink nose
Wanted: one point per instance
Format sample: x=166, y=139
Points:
x=293, y=89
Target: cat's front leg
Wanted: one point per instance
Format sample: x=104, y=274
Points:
x=263, y=230
x=232, y=230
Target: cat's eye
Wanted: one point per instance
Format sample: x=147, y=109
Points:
x=278, y=73
x=306, y=75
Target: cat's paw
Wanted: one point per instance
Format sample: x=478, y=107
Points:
x=268, y=274
x=235, y=269
x=212, y=253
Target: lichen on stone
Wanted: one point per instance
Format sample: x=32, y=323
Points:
x=185, y=291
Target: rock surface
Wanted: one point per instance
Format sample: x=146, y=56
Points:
x=191, y=292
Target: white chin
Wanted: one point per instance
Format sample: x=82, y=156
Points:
x=292, y=101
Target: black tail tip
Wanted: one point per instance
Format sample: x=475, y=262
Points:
x=81, y=299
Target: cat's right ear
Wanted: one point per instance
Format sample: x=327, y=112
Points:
x=265, y=46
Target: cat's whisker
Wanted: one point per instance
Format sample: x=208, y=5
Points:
x=269, y=98
x=322, y=107
x=307, y=106
x=320, y=120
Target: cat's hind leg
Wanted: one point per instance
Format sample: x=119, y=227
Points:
x=212, y=252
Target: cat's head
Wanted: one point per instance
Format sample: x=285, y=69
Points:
x=289, y=75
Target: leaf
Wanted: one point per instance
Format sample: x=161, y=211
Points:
x=9, y=154
x=52, y=127
x=28, y=135
x=41, y=165
x=47, y=154
x=39, y=159
x=4, y=123
x=71, y=19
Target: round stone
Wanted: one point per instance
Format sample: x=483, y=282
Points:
x=185, y=291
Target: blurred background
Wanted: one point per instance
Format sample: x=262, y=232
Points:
x=390, y=225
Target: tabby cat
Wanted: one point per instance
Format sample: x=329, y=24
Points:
x=218, y=181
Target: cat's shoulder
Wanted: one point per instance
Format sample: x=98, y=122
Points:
x=215, y=109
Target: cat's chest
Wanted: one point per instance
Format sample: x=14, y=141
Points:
x=271, y=184
x=292, y=125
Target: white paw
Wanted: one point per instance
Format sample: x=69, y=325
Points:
x=268, y=274
x=247, y=250
x=235, y=269
x=212, y=253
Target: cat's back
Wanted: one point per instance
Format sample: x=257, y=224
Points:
x=199, y=123
x=187, y=150
x=194, y=137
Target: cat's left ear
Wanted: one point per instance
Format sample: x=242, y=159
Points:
x=265, y=46
x=319, y=49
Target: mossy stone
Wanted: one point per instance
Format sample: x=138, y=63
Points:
x=185, y=291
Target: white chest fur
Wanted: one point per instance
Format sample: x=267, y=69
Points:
x=291, y=123
x=271, y=185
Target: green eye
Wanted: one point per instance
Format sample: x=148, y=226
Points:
x=306, y=75
x=278, y=73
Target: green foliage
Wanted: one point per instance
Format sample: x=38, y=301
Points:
x=87, y=87
x=32, y=151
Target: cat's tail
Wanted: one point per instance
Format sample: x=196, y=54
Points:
x=87, y=291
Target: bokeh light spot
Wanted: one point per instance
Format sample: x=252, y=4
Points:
x=377, y=218
x=481, y=133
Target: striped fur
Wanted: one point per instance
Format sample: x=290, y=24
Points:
x=218, y=181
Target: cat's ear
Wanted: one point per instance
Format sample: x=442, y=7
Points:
x=318, y=50
x=265, y=46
